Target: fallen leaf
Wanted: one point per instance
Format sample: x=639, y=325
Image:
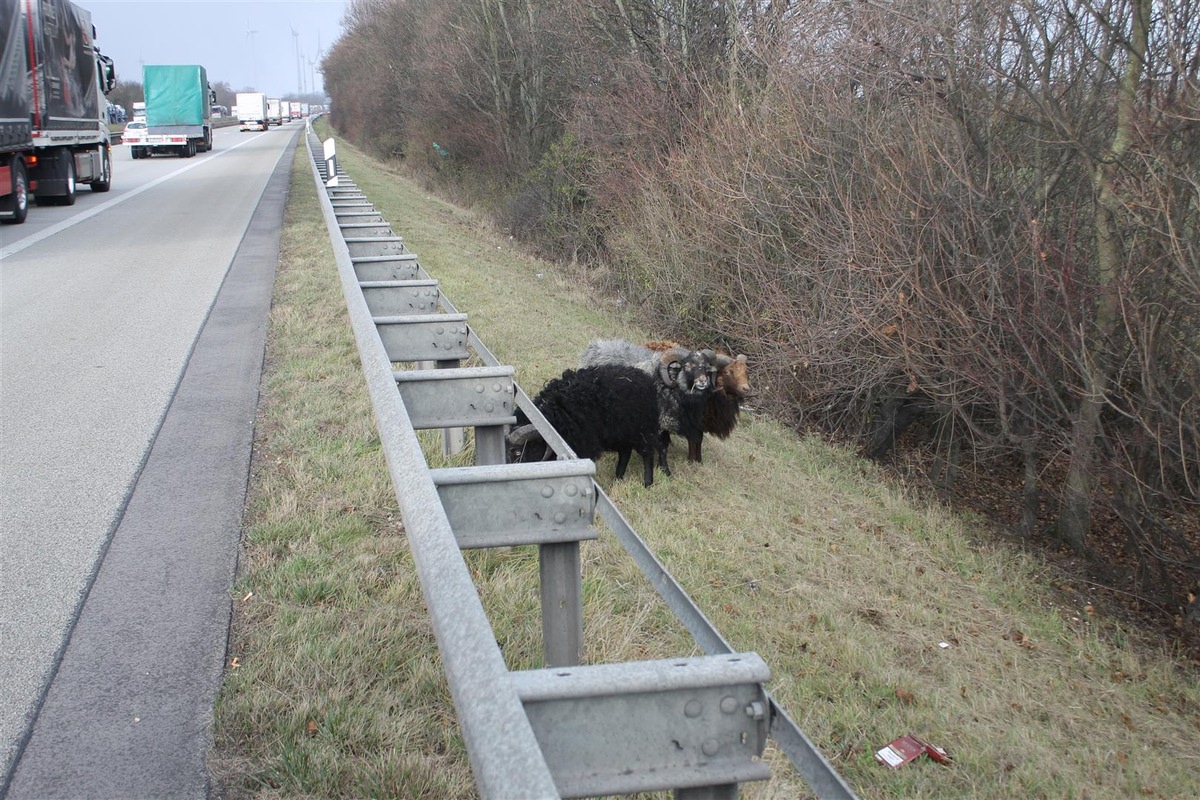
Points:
x=234, y=664
x=905, y=697
x=310, y=727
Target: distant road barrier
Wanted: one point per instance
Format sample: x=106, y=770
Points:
x=696, y=725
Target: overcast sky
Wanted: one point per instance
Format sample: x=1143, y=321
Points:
x=241, y=42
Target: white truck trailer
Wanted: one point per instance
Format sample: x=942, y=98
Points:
x=252, y=111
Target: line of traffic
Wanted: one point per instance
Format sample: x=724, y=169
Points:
x=18, y=246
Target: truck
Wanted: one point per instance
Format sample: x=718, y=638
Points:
x=252, y=111
x=178, y=112
x=274, y=111
x=53, y=118
x=285, y=110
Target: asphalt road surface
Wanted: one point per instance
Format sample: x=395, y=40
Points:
x=132, y=327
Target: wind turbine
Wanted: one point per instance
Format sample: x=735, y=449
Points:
x=299, y=73
x=253, y=59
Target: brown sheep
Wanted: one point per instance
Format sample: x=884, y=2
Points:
x=731, y=388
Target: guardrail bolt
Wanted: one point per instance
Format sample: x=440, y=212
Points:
x=729, y=704
x=710, y=747
x=693, y=708
x=756, y=710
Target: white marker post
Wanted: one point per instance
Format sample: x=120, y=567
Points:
x=330, y=163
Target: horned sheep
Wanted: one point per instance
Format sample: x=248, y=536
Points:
x=731, y=387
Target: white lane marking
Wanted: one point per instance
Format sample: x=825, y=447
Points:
x=57, y=228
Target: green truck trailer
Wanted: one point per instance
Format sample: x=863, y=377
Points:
x=178, y=111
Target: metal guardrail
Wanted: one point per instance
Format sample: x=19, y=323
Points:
x=695, y=725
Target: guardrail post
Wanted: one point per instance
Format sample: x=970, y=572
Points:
x=453, y=440
x=489, y=445
x=562, y=604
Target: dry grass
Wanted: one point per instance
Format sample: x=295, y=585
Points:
x=795, y=549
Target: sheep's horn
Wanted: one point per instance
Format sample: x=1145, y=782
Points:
x=716, y=359
x=668, y=358
x=523, y=434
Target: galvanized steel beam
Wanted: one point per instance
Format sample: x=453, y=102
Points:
x=400, y=298
x=366, y=229
x=425, y=337
x=375, y=245
x=650, y=725
x=516, y=504
x=400, y=267
x=464, y=397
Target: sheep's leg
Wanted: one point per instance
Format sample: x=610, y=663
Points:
x=694, y=449
x=647, y=466
x=623, y=461
x=664, y=442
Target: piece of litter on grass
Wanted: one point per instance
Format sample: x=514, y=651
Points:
x=906, y=748
x=943, y=645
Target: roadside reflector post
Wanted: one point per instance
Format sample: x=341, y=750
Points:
x=330, y=162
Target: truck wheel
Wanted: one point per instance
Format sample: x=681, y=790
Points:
x=105, y=181
x=16, y=206
x=68, y=199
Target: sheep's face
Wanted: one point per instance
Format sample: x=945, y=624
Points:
x=524, y=445
x=693, y=375
x=734, y=378
x=527, y=453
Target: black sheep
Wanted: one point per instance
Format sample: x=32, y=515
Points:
x=610, y=408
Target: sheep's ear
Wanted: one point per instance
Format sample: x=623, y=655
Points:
x=523, y=435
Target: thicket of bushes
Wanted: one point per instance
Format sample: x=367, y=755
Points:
x=986, y=214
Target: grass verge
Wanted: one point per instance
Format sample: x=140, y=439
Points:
x=795, y=549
